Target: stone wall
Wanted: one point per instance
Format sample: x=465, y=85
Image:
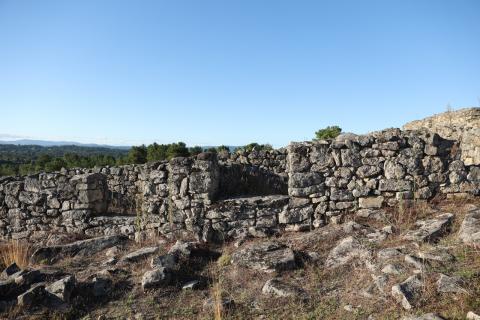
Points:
x=258, y=193
x=330, y=178
x=462, y=125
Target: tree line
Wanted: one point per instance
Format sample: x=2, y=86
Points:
x=25, y=160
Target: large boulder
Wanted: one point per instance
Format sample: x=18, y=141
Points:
x=266, y=256
x=82, y=248
x=430, y=229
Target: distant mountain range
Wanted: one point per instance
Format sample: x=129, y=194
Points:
x=46, y=143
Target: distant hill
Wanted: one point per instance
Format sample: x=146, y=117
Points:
x=46, y=143
x=17, y=153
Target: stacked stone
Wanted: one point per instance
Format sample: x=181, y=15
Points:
x=234, y=218
x=329, y=178
x=46, y=203
x=270, y=160
x=461, y=125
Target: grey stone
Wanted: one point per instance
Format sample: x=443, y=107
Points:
x=168, y=261
x=469, y=231
x=83, y=247
x=9, y=270
x=371, y=202
x=192, y=285
x=63, y=288
x=33, y=297
x=450, y=284
x=282, y=289
x=430, y=229
x=156, y=278
x=346, y=250
x=266, y=256
x=408, y=292
x=101, y=286
x=139, y=254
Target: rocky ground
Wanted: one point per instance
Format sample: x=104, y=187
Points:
x=417, y=261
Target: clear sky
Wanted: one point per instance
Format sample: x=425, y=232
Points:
x=231, y=72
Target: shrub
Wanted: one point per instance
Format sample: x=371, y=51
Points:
x=329, y=132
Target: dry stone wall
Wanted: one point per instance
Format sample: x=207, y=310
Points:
x=330, y=178
x=215, y=197
x=462, y=125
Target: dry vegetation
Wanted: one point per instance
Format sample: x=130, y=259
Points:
x=340, y=293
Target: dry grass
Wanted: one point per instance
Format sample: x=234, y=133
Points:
x=216, y=291
x=15, y=251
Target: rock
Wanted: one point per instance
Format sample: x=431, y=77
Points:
x=407, y=293
x=267, y=256
x=82, y=248
x=32, y=297
x=450, y=284
x=388, y=254
x=225, y=303
x=192, y=285
x=181, y=248
x=415, y=262
x=351, y=226
x=428, y=316
x=345, y=251
x=138, y=255
x=431, y=229
x=63, y=288
x=281, y=289
x=469, y=231
x=472, y=316
x=371, y=202
x=437, y=254
x=168, y=261
x=11, y=269
x=28, y=277
x=156, y=278
x=100, y=286
x=112, y=252
x=392, y=269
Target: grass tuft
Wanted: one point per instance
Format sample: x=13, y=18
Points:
x=14, y=251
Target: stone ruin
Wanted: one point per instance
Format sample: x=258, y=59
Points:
x=216, y=197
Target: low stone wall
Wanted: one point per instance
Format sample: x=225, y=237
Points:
x=462, y=125
x=304, y=186
x=329, y=179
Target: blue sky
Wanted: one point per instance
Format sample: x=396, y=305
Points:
x=231, y=72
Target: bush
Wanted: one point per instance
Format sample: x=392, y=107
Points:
x=255, y=146
x=329, y=132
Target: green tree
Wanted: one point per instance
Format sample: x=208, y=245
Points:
x=195, y=150
x=157, y=152
x=55, y=165
x=177, y=150
x=137, y=154
x=329, y=132
x=255, y=146
x=223, y=148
